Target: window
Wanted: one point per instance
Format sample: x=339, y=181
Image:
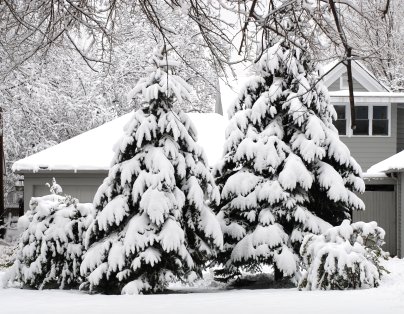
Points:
x=362, y=120
x=380, y=122
x=340, y=123
x=370, y=120
x=381, y=187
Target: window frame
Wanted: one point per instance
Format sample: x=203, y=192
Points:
x=349, y=132
x=346, y=120
x=388, y=118
x=369, y=114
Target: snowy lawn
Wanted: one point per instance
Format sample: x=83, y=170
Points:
x=388, y=298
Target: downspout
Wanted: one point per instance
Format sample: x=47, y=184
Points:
x=400, y=216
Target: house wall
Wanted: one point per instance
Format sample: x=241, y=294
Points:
x=400, y=129
x=335, y=86
x=400, y=215
x=369, y=150
x=381, y=206
x=80, y=185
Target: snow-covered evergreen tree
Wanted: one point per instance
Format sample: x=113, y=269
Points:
x=285, y=172
x=344, y=257
x=51, y=248
x=154, y=222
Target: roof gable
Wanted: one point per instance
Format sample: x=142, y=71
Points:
x=360, y=74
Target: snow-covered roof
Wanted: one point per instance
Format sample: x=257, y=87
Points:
x=93, y=150
x=394, y=163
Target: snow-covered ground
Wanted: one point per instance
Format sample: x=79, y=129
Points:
x=388, y=298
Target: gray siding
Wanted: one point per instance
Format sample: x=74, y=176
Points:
x=369, y=150
x=400, y=215
x=400, y=129
x=80, y=185
x=358, y=86
x=335, y=86
x=381, y=207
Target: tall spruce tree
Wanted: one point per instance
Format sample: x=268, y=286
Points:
x=154, y=222
x=285, y=171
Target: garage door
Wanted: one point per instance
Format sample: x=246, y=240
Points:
x=380, y=204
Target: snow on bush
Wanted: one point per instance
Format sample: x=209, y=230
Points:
x=345, y=257
x=285, y=172
x=154, y=222
x=50, y=249
x=8, y=254
x=54, y=188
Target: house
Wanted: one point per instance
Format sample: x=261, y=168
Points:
x=379, y=134
x=81, y=163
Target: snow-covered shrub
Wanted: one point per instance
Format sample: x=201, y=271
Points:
x=51, y=247
x=154, y=222
x=8, y=254
x=285, y=172
x=344, y=257
x=54, y=188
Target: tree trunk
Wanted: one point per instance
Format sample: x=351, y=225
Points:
x=278, y=273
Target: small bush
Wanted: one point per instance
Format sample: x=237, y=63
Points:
x=7, y=255
x=51, y=249
x=345, y=257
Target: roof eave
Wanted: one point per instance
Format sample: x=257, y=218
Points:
x=61, y=171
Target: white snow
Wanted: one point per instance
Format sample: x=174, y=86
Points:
x=286, y=261
x=171, y=236
x=294, y=171
x=229, y=90
x=202, y=299
x=113, y=213
x=391, y=164
x=93, y=150
x=156, y=204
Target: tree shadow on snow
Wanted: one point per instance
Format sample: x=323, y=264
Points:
x=246, y=282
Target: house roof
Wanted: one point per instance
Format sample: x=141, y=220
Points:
x=93, y=150
x=378, y=92
x=359, y=72
x=394, y=163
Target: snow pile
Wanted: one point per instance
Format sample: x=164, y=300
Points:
x=154, y=221
x=348, y=256
x=50, y=249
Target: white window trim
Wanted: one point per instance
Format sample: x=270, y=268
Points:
x=343, y=83
x=349, y=131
